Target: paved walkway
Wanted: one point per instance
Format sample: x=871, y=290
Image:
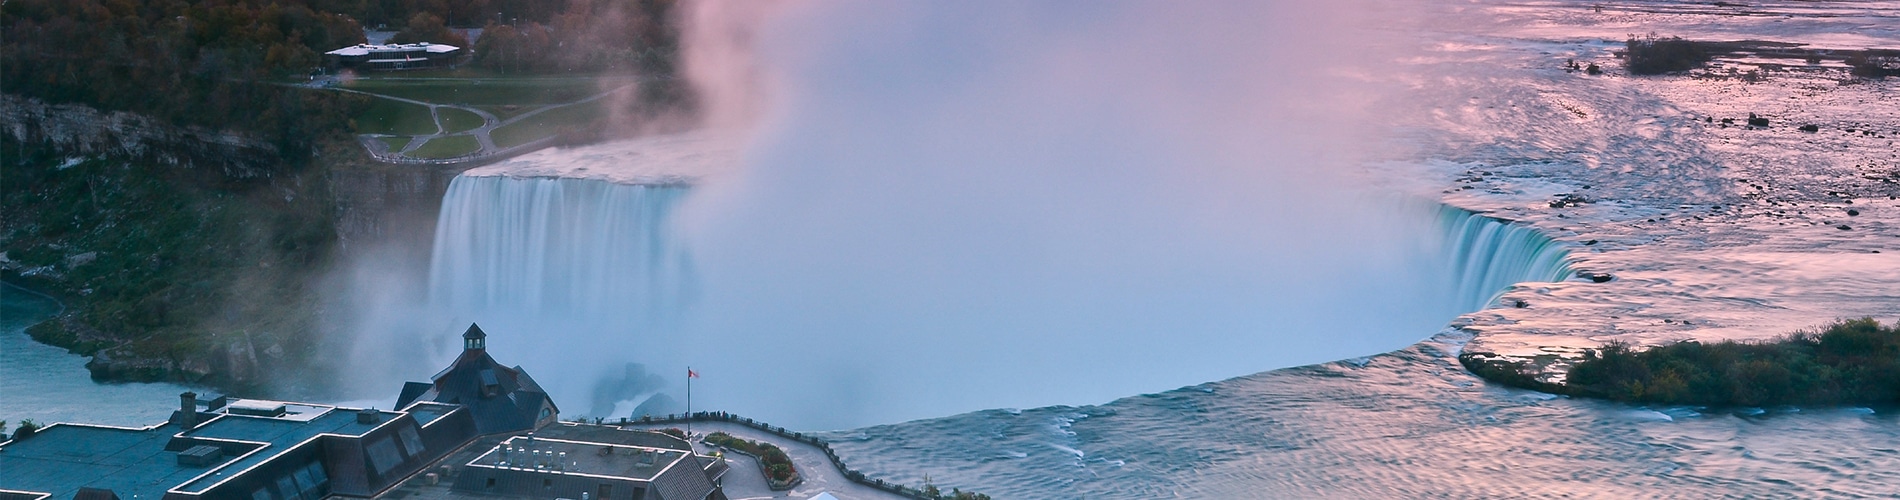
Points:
x=487, y=146
x=811, y=462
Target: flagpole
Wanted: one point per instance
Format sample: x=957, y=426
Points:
x=689, y=405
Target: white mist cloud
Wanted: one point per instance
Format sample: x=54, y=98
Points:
x=955, y=206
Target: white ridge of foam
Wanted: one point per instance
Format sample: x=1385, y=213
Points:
x=686, y=158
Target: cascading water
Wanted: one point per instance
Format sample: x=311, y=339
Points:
x=559, y=246
x=1486, y=256
x=580, y=277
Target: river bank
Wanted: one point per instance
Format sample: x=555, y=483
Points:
x=46, y=384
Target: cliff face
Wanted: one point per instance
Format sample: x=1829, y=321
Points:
x=83, y=131
x=186, y=254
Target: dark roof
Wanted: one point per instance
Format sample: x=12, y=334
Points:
x=95, y=494
x=143, y=462
x=611, y=435
x=411, y=391
x=684, y=480
x=501, y=399
x=474, y=332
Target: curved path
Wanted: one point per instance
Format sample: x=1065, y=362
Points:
x=483, y=135
x=747, y=480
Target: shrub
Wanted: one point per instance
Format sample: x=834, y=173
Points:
x=1850, y=362
x=1653, y=55
x=1875, y=64
x=26, y=429
x=768, y=454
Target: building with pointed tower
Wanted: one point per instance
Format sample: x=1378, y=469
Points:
x=479, y=430
x=502, y=399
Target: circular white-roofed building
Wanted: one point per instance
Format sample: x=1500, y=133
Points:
x=394, y=56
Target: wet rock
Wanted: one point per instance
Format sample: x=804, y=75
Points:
x=1757, y=121
x=1596, y=277
x=1569, y=200
x=1591, y=242
x=1810, y=128
x=1852, y=212
x=1844, y=227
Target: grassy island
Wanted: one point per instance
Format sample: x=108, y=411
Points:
x=1850, y=362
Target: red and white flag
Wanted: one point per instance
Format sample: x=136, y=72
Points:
x=691, y=374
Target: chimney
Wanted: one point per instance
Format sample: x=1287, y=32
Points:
x=187, y=410
x=367, y=416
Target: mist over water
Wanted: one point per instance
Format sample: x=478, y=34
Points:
x=945, y=208
x=954, y=207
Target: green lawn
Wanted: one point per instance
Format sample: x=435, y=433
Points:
x=447, y=147
x=457, y=120
x=485, y=91
x=547, y=123
x=385, y=116
x=505, y=111
x=396, y=143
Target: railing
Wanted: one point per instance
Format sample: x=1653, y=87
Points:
x=849, y=473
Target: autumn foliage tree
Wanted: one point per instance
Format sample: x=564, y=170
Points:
x=429, y=28
x=210, y=64
x=587, y=36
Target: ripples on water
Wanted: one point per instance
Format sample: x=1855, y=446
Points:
x=48, y=384
x=1409, y=424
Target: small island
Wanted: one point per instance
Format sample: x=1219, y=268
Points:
x=1854, y=362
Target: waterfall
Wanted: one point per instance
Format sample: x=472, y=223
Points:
x=584, y=282
x=558, y=246
x=1485, y=256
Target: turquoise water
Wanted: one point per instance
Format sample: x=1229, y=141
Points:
x=47, y=384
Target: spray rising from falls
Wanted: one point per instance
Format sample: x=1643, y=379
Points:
x=580, y=277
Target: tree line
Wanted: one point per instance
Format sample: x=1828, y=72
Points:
x=223, y=63
x=191, y=63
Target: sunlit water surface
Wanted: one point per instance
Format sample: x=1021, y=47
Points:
x=1409, y=424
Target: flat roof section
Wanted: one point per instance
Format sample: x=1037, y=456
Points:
x=367, y=49
x=62, y=458
x=281, y=433
x=594, y=459
x=428, y=411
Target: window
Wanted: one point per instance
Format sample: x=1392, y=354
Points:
x=606, y=491
x=384, y=456
x=316, y=473
x=311, y=478
x=288, y=487
x=547, y=483
x=411, y=442
x=490, y=484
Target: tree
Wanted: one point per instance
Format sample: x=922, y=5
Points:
x=429, y=28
